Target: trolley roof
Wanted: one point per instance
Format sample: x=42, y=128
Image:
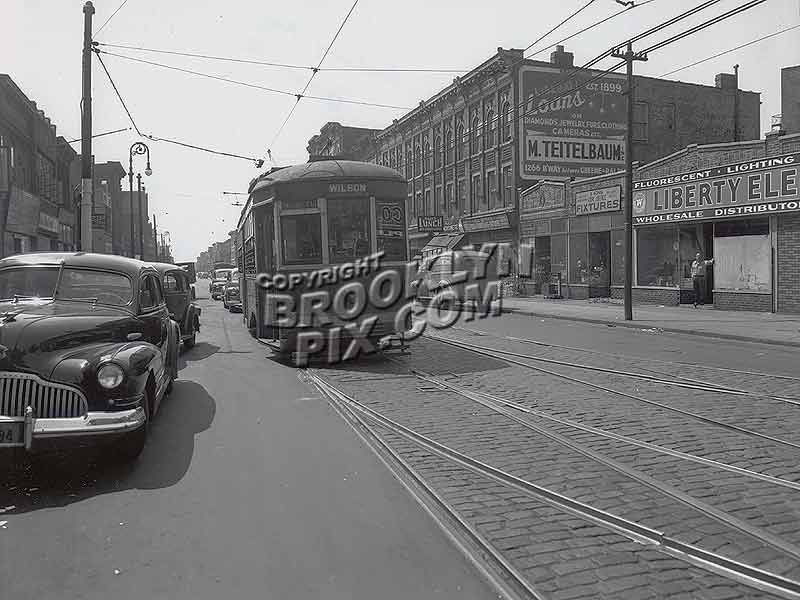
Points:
x=327, y=169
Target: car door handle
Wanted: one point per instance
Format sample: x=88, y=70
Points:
x=132, y=337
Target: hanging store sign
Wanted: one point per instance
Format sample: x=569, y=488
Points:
x=543, y=196
x=430, y=224
x=49, y=223
x=752, y=188
x=486, y=223
x=598, y=201
x=573, y=127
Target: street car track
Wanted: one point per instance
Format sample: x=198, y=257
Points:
x=369, y=418
x=505, y=356
x=694, y=384
x=629, y=358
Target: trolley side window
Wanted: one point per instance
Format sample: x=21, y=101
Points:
x=302, y=239
x=390, y=229
x=348, y=229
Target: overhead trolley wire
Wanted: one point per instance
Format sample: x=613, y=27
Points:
x=724, y=52
x=119, y=8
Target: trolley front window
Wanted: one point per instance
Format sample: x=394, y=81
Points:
x=348, y=229
x=302, y=239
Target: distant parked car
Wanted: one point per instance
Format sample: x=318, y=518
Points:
x=89, y=351
x=232, y=299
x=179, y=296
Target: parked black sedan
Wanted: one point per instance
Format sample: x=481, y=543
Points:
x=179, y=295
x=87, y=351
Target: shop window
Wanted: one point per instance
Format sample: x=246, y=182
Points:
x=578, y=256
x=618, y=257
x=599, y=222
x=600, y=258
x=691, y=242
x=641, y=114
x=348, y=229
x=656, y=256
x=579, y=224
x=742, y=256
x=491, y=185
x=558, y=256
x=302, y=239
x=558, y=225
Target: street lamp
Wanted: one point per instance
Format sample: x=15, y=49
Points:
x=137, y=148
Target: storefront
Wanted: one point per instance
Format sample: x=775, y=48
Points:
x=471, y=232
x=732, y=213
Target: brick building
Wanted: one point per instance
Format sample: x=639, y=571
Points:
x=736, y=202
x=470, y=150
x=39, y=176
x=352, y=143
x=107, y=201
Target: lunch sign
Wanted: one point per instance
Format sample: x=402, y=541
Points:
x=761, y=186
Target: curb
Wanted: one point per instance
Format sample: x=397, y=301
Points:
x=635, y=325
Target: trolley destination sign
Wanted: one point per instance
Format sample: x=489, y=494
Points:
x=755, y=187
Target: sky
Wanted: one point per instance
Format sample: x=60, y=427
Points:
x=42, y=53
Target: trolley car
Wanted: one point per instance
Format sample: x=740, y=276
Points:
x=306, y=232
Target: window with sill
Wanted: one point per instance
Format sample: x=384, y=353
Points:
x=475, y=136
x=490, y=130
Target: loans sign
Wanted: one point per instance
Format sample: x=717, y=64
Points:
x=760, y=186
x=573, y=127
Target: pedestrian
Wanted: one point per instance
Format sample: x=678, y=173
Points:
x=699, y=266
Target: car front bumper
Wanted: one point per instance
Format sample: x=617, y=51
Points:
x=91, y=429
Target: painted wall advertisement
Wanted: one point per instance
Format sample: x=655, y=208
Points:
x=761, y=186
x=573, y=128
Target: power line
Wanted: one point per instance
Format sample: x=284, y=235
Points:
x=97, y=135
x=568, y=18
x=750, y=43
x=313, y=74
x=251, y=85
x=114, y=85
x=119, y=8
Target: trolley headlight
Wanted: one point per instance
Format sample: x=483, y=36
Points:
x=110, y=376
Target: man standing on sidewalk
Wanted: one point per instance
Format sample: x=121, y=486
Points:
x=699, y=278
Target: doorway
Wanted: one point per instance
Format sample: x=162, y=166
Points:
x=599, y=263
x=541, y=255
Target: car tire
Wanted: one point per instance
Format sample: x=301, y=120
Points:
x=189, y=343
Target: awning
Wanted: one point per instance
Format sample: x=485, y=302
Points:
x=440, y=243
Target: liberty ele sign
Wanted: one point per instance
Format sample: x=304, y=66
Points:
x=756, y=187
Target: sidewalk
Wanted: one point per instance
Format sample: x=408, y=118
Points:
x=780, y=329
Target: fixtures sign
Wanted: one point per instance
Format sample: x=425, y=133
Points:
x=597, y=201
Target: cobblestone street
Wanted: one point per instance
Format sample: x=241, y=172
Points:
x=705, y=454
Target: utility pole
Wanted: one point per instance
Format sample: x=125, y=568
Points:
x=155, y=237
x=141, y=219
x=736, y=103
x=629, y=57
x=87, y=186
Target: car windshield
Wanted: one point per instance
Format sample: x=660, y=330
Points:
x=28, y=282
x=102, y=286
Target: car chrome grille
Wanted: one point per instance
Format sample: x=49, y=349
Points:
x=48, y=400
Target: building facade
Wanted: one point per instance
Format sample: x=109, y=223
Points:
x=470, y=150
x=736, y=202
x=39, y=177
x=353, y=143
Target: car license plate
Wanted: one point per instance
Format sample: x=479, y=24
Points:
x=12, y=433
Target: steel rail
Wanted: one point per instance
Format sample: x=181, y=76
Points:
x=710, y=561
x=628, y=357
x=708, y=420
x=510, y=581
x=696, y=385
x=622, y=438
x=755, y=532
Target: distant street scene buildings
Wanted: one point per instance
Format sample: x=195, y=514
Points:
x=40, y=190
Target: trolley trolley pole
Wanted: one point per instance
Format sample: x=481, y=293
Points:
x=629, y=55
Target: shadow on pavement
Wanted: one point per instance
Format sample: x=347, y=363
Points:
x=201, y=351
x=55, y=480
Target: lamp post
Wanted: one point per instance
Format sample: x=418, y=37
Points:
x=136, y=148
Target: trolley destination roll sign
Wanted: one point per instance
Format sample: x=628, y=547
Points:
x=759, y=186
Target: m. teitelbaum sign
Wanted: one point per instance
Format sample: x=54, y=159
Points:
x=761, y=186
x=573, y=128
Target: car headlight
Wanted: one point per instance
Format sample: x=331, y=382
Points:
x=110, y=376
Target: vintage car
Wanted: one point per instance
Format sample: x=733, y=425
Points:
x=87, y=351
x=232, y=299
x=178, y=294
x=217, y=288
x=453, y=271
